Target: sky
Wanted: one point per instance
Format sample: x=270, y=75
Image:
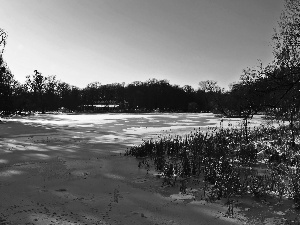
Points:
x=115, y=41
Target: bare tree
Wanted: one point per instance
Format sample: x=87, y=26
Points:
x=3, y=36
x=284, y=78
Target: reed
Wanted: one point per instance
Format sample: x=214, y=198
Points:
x=263, y=162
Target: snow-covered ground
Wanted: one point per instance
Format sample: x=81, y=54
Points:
x=66, y=169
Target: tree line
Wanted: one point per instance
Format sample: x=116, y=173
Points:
x=41, y=93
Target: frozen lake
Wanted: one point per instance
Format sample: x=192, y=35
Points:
x=130, y=129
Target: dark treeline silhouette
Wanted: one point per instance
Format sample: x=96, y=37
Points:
x=273, y=90
x=46, y=93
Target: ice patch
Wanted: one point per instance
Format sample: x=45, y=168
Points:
x=9, y=173
x=181, y=196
